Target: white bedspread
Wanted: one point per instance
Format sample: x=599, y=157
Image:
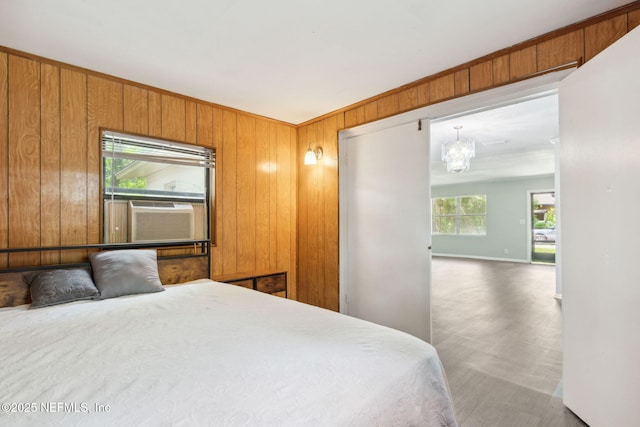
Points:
x=208, y=353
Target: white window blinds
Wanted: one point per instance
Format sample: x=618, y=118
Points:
x=122, y=146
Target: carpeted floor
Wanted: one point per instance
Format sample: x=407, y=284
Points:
x=497, y=328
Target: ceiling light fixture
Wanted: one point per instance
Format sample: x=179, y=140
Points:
x=458, y=154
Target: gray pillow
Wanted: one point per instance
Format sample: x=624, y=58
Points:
x=125, y=272
x=53, y=287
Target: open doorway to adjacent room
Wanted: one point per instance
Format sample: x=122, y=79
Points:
x=495, y=321
x=514, y=148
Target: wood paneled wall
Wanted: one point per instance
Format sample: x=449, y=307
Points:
x=318, y=215
x=50, y=120
x=318, y=185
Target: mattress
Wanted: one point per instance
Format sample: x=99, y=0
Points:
x=209, y=353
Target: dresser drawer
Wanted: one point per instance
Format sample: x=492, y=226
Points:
x=246, y=283
x=272, y=284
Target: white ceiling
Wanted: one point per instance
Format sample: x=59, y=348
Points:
x=514, y=141
x=291, y=60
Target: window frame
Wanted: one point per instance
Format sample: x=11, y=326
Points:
x=458, y=215
x=161, y=196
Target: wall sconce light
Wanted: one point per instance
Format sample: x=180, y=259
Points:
x=312, y=156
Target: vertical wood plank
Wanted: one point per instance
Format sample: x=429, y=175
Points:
x=136, y=110
x=560, y=50
x=331, y=274
x=424, y=94
x=388, y=106
x=73, y=163
x=501, y=68
x=354, y=117
x=4, y=158
x=301, y=147
x=173, y=117
x=340, y=121
x=303, y=207
x=442, y=88
x=263, y=194
x=481, y=76
x=601, y=35
x=523, y=62
x=370, y=112
x=191, y=121
x=292, y=171
x=350, y=117
x=204, y=136
x=50, y=161
x=283, y=194
x=633, y=19
x=462, y=82
x=304, y=286
x=319, y=217
x=155, y=113
x=229, y=224
x=246, y=193
x=104, y=110
x=24, y=158
x=407, y=99
x=274, y=171
x=312, y=193
x=105, y=103
x=116, y=220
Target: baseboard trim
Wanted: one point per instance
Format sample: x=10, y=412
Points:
x=524, y=261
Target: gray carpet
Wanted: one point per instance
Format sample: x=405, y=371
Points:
x=497, y=328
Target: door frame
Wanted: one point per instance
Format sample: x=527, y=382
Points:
x=489, y=99
x=529, y=219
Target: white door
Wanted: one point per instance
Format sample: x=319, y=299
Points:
x=386, y=196
x=600, y=247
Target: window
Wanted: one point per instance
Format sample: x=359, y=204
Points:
x=155, y=190
x=465, y=215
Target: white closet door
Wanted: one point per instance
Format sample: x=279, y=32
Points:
x=388, y=227
x=600, y=242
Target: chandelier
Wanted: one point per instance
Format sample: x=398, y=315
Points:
x=458, y=154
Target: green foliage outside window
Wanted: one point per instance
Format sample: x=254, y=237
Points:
x=460, y=215
x=111, y=169
x=549, y=218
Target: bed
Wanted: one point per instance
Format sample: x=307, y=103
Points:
x=210, y=353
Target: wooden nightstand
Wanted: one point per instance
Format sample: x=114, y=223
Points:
x=274, y=284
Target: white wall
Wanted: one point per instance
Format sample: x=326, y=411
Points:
x=600, y=176
x=507, y=225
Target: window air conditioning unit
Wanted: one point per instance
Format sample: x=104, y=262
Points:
x=160, y=221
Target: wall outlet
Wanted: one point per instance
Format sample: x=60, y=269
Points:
x=506, y=250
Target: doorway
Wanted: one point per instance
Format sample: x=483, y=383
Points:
x=527, y=90
x=543, y=227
